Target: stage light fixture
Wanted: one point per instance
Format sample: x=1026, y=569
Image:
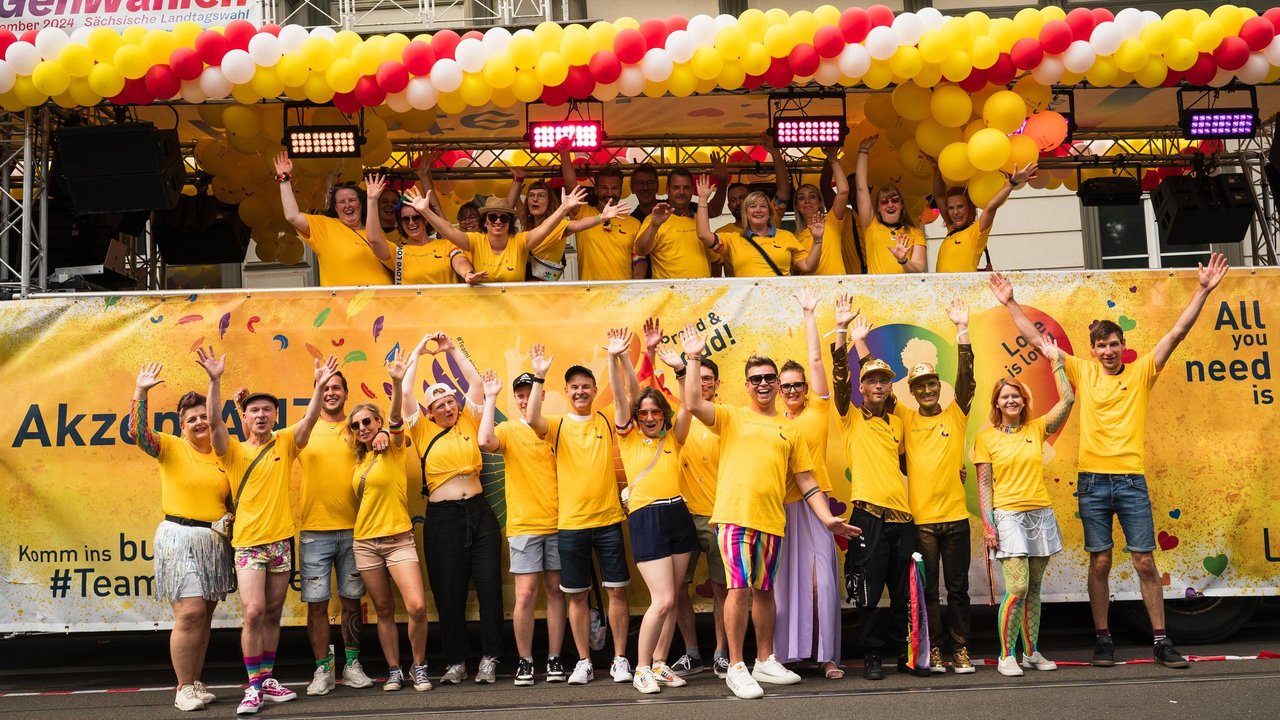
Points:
x=320, y=141
x=809, y=131
x=1204, y=118
x=582, y=134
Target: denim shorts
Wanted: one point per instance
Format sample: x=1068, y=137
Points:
x=662, y=529
x=322, y=552
x=575, y=558
x=1103, y=495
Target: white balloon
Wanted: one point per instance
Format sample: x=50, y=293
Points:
x=398, y=102
x=828, y=72
x=703, y=29
x=446, y=75
x=931, y=17
x=881, y=43
x=1273, y=51
x=496, y=40
x=1049, y=71
x=327, y=33
x=631, y=82
x=7, y=77
x=1079, y=56
x=421, y=93
x=524, y=32
x=292, y=37
x=80, y=36
x=23, y=57
x=265, y=49
x=1222, y=78
x=681, y=45
x=1149, y=17
x=1255, y=69
x=470, y=55
x=1129, y=20
x=908, y=27
x=214, y=84
x=854, y=61
x=656, y=65
x=238, y=67
x=50, y=42
x=723, y=21
x=1106, y=38
x=606, y=92
x=191, y=92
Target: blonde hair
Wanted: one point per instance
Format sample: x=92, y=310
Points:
x=997, y=417
x=751, y=199
x=890, y=190
x=352, y=440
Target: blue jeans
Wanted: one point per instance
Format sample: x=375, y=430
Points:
x=575, y=558
x=1103, y=495
x=322, y=552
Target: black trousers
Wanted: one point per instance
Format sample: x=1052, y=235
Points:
x=885, y=561
x=946, y=543
x=462, y=544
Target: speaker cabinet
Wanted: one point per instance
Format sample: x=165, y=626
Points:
x=120, y=168
x=1194, y=210
x=200, y=230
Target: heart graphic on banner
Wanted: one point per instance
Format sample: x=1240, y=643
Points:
x=1168, y=542
x=1216, y=564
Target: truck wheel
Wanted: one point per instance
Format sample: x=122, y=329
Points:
x=1196, y=621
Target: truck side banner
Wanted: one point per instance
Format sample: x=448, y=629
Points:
x=81, y=504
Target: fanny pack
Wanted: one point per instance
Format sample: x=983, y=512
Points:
x=544, y=270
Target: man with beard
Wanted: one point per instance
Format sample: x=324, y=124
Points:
x=967, y=231
x=605, y=235
x=669, y=235
x=644, y=185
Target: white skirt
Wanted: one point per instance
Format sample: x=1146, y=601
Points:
x=190, y=559
x=1030, y=533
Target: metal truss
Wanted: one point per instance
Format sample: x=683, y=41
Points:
x=410, y=16
x=24, y=163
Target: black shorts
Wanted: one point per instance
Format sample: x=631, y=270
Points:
x=662, y=529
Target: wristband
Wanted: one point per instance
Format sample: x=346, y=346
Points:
x=810, y=492
x=283, y=178
x=537, y=379
x=383, y=430
x=394, y=431
x=396, y=423
x=682, y=372
x=903, y=261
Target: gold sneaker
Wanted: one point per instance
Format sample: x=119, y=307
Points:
x=960, y=663
x=935, y=661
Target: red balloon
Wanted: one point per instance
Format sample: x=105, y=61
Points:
x=119, y=99
x=751, y=82
x=29, y=36
x=1055, y=36
x=392, y=77
x=1273, y=15
x=136, y=92
x=880, y=15
x=555, y=95
x=828, y=41
x=444, y=42
x=1103, y=15
x=1082, y=22
x=1003, y=71
x=473, y=34
x=7, y=38
x=418, y=58
x=368, y=93
x=1257, y=32
x=238, y=34
x=162, y=82
x=779, y=75
x=654, y=31
x=1150, y=179
x=605, y=67
x=854, y=24
x=629, y=45
x=1212, y=147
x=211, y=46
x=738, y=156
x=677, y=22
x=270, y=29
x=346, y=103
x=976, y=81
x=803, y=60
x=757, y=153
x=186, y=63
x=579, y=83
x=449, y=158
x=1026, y=54
x=1232, y=53
x=1172, y=78
x=1203, y=71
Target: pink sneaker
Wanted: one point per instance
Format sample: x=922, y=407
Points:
x=275, y=692
x=251, y=703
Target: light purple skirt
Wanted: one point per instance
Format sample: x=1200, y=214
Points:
x=808, y=552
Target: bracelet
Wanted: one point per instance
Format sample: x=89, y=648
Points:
x=842, y=331
x=903, y=261
x=283, y=178
x=682, y=372
x=395, y=431
x=383, y=430
x=537, y=379
x=809, y=493
x=396, y=423
x=962, y=332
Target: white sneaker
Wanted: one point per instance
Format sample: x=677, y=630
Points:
x=202, y=692
x=1038, y=661
x=582, y=673
x=454, y=674
x=251, y=703
x=353, y=676
x=187, y=700
x=1008, y=666
x=488, y=671
x=742, y=684
x=644, y=681
x=771, y=671
x=666, y=676
x=321, y=682
x=620, y=670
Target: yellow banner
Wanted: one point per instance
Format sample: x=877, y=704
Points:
x=80, y=504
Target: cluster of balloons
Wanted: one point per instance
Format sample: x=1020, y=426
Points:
x=658, y=56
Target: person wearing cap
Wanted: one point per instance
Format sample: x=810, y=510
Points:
x=530, y=494
x=589, y=511
x=461, y=538
x=873, y=439
x=259, y=469
x=761, y=455
x=935, y=441
x=500, y=252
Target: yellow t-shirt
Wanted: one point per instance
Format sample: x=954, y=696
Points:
x=328, y=502
x=849, y=245
x=873, y=446
x=782, y=247
x=193, y=484
x=677, y=252
x=552, y=246
x=585, y=478
x=428, y=264
x=1017, y=466
x=831, y=261
x=604, y=253
x=343, y=253
x=505, y=266
x=262, y=510
x=935, y=454
x=659, y=482
x=812, y=425
x=731, y=227
x=456, y=452
x=700, y=463
x=530, y=481
x=1113, y=413
x=876, y=241
x=759, y=455
x=384, y=506
x=961, y=250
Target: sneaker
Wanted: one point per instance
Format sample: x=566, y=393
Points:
x=251, y=703
x=275, y=692
x=1167, y=656
x=202, y=692
x=353, y=676
x=321, y=682
x=773, y=672
x=1037, y=661
x=720, y=665
x=666, y=676
x=742, y=684
x=1008, y=666
x=935, y=661
x=395, y=680
x=872, y=668
x=187, y=700
x=454, y=674
x=905, y=668
x=555, y=671
x=524, y=672
x=960, y=662
x=1104, y=652
x=688, y=666
x=620, y=670
x=644, y=681
x=583, y=673
x=488, y=671
x=421, y=678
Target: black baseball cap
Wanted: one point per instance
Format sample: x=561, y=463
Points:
x=579, y=370
x=523, y=379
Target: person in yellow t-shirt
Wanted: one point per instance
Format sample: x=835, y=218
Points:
x=192, y=564
x=605, y=235
x=967, y=231
x=762, y=249
x=1017, y=514
x=338, y=240
x=384, y=549
x=669, y=235
x=530, y=491
x=809, y=207
x=761, y=455
x=1112, y=481
x=259, y=469
x=461, y=538
x=415, y=258
x=892, y=242
x=934, y=441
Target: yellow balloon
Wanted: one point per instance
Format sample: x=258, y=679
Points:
x=576, y=45
x=50, y=78
x=706, y=63
x=776, y=16
x=682, y=82
x=602, y=34
x=989, y=149
x=984, y=185
x=879, y=110
x=930, y=75
x=900, y=131
x=957, y=66
x=1131, y=56
x=344, y=42
x=655, y=90
x=1004, y=111
x=1103, y=72
x=317, y=89
x=732, y=76
x=1181, y=55
x=932, y=136
x=451, y=103
x=246, y=144
x=1230, y=17
x=1207, y=35
x=984, y=52
x=933, y=46
x=103, y=43
x=1157, y=37
x=1022, y=152
x=906, y=62
x=913, y=160
x=978, y=21
x=82, y=94
x=730, y=42
x=706, y=86
x=972, y=128
x=1179, y=22
x=1036, y=96
x=753, y=22
x=318, y=53
x=626, y=23
x=133, y=34
x=241, y=120
x=474, y=90
x=131, y=61
x=551, y=68
x=342, y=75
x=500, y=72
x=106, y=80
x=954, y=163
x=804, y=24
x=296, y=93
x=951, y=106
x=417, y=121
x=756, y=59
x=77, y=60
x=879, y=76
x=1004, y=33
x=958, y=33
x=523, y=50
x=159, y=45
x=503, y=98
x=1028, y=22
x=1152, y=74
x=912, y=101
x=367, y=56
x=778, y=40
x=548, y=35
x=185, y=33
x=291, y=70
x=527, y=87
x=26, y=93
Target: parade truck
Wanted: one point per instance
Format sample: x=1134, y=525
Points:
x=144, y=220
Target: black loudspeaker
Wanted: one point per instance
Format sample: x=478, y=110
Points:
x=1096, y=192
x=120, y=168
x=88, y=247
x=1195, y=210
x=200, y=230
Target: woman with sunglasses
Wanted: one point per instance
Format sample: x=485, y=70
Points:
x=761, y=249
x=809, y=209
x=892, y=241
x=417, y=258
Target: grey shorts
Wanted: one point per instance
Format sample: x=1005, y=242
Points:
x=534, y=553
x=709, y=546
x=324, y=551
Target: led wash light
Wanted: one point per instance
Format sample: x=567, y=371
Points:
x=323, y=141
x=582, y=134
x=1219, y=124
x=809, y=131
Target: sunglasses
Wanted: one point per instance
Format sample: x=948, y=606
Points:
x=766, y=379
x=648, y=413
x=497, y=217
x=891, y=201
x=408, y=219
x=793, y=387
x=357, y=424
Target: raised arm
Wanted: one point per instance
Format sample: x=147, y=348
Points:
x=569, y=202
x=139, y=429
x=1019, y=176
x=818, y=382
x=985, y=481
x=958, y=312
x=396, y=368
x=1209, y=276
x=1003, y=290
x=722, y=175
x=323, y=373
x=657, y=216
x=694, y=344
x=781, y=175
x=447, y=230
x=912, y=258
x=703, y=217
x=289, y=201
x=940, y=193
x=408, y=394
x=837, y=204
x=610, y=211
x=486, y=437
x=374, y=187
x=1058, y=414
x=541, y=363
x=214, y=366
x=817, y=228
x=568, y=172
x=619, y=343
x=652, y=339
x=513, y=191
x=866, y=212
x=842, y=386
x=475, y=386
x=428, y=182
